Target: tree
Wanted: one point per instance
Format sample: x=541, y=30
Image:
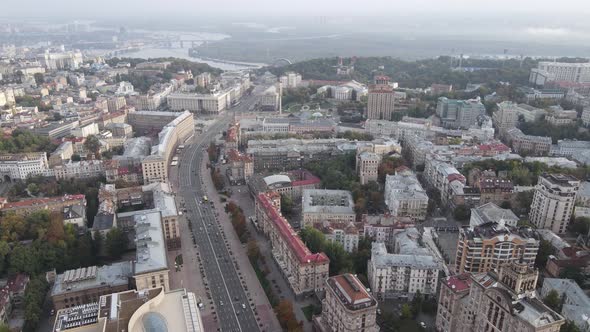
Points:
x=313, y=239
x=553, y=300
x=116, y=243
x=545, y=250
x=581, y=225
x=98, y=243
x=55, y=231
x=462, y=213
x=286, y=205
x=39, y=78
x=253, y=250
x=574, y=273
x=92, y=144
x=569, y=326
x=406, y=312
x=286, y=316
x=4, y=251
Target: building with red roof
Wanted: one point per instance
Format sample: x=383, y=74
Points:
x=53, y=204
x=305, y=271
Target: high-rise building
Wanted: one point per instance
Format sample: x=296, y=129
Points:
x=367, y=166
x=553, y=202
x=490, y=245
x=503, y=300
x=506, y=116
x=290, y=80
x=459, y=113
x=547, y=71
x=381, y=99
x=347, y=307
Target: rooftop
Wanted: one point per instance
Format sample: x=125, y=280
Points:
x=289, y=235
x=149, y=241
x=491, y=213
x=327, y=201
x=116, y=274
x=383, y=259
x=351, y=292
x=458, y=283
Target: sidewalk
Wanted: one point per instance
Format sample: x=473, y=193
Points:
x=275, y=277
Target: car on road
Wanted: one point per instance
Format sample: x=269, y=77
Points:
x=243, y=306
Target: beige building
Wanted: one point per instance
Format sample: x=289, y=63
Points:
x=84, y=169
x=506, y=116
x=503, y=300
x=347, y=307
x=63, y=153
x=321, y=205
x=367, y=166
x=290, y=80
x=488, y=246
x=115, y=103
x=155, y=166
x=134, y=311
x=22, y=165
x=304, y=271
x=553, y=202
x=381, y=103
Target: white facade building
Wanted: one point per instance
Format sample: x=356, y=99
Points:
x=553, y=202
x=21, y=166
x=404, y=196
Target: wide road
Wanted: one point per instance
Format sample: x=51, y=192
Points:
x=230, y=299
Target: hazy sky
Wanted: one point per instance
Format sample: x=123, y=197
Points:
x=286, y=7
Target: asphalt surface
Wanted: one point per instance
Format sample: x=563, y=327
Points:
x=230, y=299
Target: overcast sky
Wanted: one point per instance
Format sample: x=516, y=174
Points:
x=286, y=7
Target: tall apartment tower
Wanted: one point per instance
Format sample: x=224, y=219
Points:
x=553, y=202
x=381, y=99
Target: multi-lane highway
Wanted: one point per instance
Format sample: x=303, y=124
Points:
x=229, y=297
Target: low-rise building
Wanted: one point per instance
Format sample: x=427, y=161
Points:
x=491, y=213
x=575, y=304
x=52, y=204
x=84, y=169
x=290, y=183
x=345, y=234
x=404, y=196
x=20, y=166
x=63, y=153
x=209, y=103
x=241, y=166
x=347, y=307
x=12, y=296
x=85, y=285
x=319, y=205
x=528, y=144
x=304, y=271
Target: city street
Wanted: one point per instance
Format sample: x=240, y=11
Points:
x=225, y=282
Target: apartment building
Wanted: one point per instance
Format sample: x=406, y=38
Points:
x=347, y=307
x=52, y=204
x=63, y=153
x=553, y=201
x=528, y=144
x=494, y=190
x=84, y=169
x=367, y=166
x=506, y=116
x=290, y=80
x=20, y=166
x=404, y=273
x=345, y=234
x=271, y=98
x=503, y=300
x=304, y=271
x=488, y=246
x=574, y=301
x=155, y=166
x=404, y=196
x=319, y=205
x=381, y=102
x=290, y=183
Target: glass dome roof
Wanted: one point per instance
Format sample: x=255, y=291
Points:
x=154, y=322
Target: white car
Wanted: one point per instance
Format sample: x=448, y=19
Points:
x=243, y=306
